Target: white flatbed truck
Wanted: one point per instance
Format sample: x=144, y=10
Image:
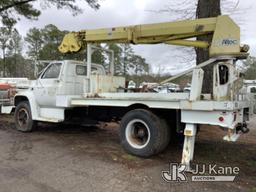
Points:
x=83, y=91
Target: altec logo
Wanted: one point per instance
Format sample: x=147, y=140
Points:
x=229, y=42
x=177, y=173
x=225, y=42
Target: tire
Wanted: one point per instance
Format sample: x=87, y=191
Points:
x=167, y=134
x=143, y=134
x=23, y=117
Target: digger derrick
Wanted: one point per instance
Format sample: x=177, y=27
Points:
x=147, y=118
x=226, y=36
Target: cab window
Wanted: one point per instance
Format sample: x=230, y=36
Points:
x=253, y=90
x=52, y=72
x=82, y=70
x=223, y=74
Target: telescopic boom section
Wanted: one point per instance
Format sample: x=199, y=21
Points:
x=226, y=36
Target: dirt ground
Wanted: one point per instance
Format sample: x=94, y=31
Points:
x=73, y=159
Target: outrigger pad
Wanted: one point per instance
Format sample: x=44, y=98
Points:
x=233, y=137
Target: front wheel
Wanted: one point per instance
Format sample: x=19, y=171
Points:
x=143, y=133
x=23, y=117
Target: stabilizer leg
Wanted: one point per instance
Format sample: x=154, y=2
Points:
x=188, y=146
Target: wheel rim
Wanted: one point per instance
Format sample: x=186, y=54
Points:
x=137, y=133
x=23, y=117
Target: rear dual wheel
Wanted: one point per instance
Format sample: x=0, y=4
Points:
x=143, y=133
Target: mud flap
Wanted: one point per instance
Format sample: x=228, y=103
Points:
x=6, y=109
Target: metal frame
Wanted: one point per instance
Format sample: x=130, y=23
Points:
x=194, y=111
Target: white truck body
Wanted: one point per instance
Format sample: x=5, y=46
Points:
x=68, y=85
x=70, y=90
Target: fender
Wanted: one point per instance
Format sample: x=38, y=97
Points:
x=28, y=95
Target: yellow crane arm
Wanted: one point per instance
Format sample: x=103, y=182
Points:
x=226, y=35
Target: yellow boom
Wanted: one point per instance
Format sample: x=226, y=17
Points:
x=226, y=35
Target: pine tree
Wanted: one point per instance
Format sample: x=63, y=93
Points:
x=11, y=10
x=35, y=42
x=5, y=36
x=15, y=47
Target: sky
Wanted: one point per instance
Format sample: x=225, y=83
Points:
x=113, y=13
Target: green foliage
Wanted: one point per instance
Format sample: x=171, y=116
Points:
x=35, y=42
x=11, y=10
x=127, y=56
x=15, y=45
x=99, y=58
x=18, y=66
x=126, y=61
x=5, y=37
x=43, y=44
x=12, y=61
x=139, y=64
x=15, y=59
x=117, y=57
x=51, y=37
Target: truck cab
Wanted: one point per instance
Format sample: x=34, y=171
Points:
x=49, y=95
x=62, y=78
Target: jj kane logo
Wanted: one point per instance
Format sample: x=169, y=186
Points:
x=177, y=173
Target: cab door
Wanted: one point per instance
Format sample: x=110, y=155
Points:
x=48, y=84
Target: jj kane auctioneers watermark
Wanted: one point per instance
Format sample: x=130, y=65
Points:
x=203, y=173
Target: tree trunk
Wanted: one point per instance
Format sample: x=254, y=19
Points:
x=15, y=65
x=206, y=8
x=4, y=60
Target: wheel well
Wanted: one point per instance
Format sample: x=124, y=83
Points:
x=137, y=106
x=19, y=99
x=163, y=113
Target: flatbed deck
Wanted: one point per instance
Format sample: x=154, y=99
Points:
x=157, y=100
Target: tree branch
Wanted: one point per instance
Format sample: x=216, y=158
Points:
x=14, y=4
